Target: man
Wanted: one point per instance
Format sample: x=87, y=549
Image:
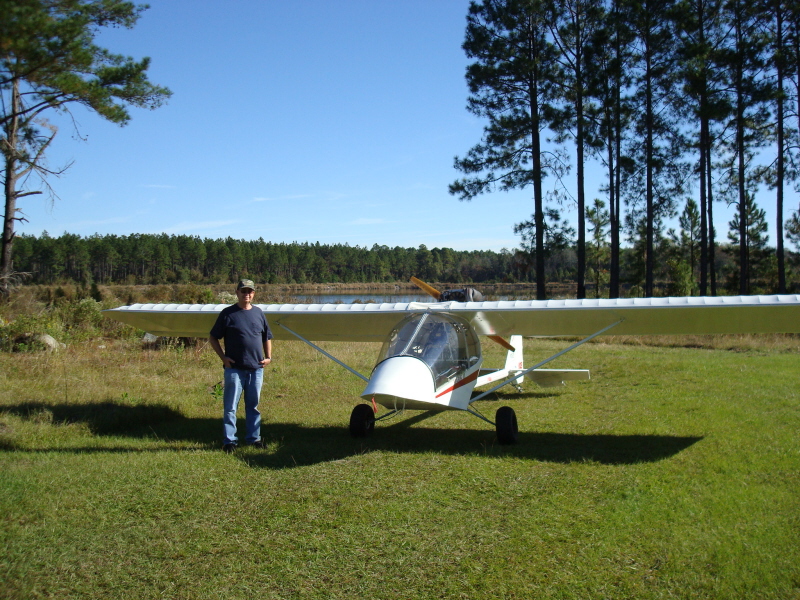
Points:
x=246, y=333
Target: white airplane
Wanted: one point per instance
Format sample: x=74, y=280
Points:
x=431, y=356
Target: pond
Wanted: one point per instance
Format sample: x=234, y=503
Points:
x=350, y=298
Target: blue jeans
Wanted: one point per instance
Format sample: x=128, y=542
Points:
x=237, y=381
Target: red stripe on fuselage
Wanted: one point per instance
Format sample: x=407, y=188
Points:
x=459, y=384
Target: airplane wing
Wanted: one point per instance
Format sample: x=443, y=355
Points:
x=641, y=316
x=373, y=322
x=332, y=322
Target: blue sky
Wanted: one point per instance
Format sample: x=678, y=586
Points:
x=307, y=120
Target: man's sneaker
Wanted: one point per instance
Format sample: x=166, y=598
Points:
x=259, y=444
x=229, y=448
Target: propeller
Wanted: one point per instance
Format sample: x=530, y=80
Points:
x=467, y=294
x=426, y=288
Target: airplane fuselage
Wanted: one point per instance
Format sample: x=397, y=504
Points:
x=428, y=361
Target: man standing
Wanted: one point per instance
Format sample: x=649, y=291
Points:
x=246, y=333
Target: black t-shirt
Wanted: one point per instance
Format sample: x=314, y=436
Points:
x=244, y=333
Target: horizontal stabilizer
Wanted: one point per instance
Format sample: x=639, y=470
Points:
x=557, y=377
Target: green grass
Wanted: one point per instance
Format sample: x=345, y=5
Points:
x=674, y=473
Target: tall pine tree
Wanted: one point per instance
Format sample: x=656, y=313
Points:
x=511, y=87
x=48, y=60
x=573, y=25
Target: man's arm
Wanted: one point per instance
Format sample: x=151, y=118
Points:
x=228, y=362
x=267, y=352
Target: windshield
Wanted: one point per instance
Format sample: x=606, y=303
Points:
x=446, y=344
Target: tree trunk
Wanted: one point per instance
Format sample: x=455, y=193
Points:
x=744, y=272
x=536, y=157
x=649, y=234
x=712, y=252
x=579, y=135
x=705, y=144
x=780, y=173
x=581, y=196
x=703, y=205
x=614, y=291
x=10, y=189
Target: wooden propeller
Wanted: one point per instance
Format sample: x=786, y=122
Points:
x=428, y=289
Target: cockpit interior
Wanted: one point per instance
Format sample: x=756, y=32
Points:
x=447, y=345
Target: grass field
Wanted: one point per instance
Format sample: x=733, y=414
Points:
x=674, y=473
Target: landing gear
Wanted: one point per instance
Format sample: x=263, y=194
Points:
x=362, y=421
x=506, y=422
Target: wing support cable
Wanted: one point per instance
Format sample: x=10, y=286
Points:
x=537, y=365
x=333, y=358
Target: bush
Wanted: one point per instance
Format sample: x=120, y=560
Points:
x=19, y=334
x=66, y=321
x=193, y=294
x=81, y=318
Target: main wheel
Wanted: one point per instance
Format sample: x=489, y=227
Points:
x=362, y=421
x=506, y=422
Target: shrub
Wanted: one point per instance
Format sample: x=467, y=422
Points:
x=79, y=318
x=19, y=334
x=193, y=294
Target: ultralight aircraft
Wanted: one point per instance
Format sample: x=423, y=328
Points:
x=431, y=355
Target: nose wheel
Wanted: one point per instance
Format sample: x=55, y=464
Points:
x=506, y=423
x=362, y=421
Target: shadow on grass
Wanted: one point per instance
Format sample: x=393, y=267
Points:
x=305, y=445
x=295, y=445
x=102, y=418
x=501, y=396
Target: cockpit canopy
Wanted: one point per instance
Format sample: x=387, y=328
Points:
x=447, y=344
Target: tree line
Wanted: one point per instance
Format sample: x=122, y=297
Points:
x=152, y=259
x=156, y=259
x=675, y=99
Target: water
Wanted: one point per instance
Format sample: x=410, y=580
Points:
x=363, y=298
x=393, y=298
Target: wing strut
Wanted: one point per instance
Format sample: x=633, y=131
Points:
x=333, y=358
x=544, y=362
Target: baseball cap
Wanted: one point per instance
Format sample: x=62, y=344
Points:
x=246, y=283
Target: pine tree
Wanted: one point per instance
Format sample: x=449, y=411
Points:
x=608, y=81
x=510, y=86
x=793, y=228
x=748, y=230
x=743, y=60
x=573, y=25
x=598, y=251
x=48, y=60
x=792, y=61
x=779, y=95
x=658, y=146
x=782, y=57
x=702, y=103
x=688, y=244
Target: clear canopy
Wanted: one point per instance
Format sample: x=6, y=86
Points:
x=446, y=344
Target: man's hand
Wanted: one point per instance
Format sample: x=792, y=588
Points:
x=265, y=362
x=214, y=342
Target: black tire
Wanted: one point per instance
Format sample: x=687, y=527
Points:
x=506, y=422
x=362, y=421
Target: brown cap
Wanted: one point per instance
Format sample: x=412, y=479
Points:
x=246, y=283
